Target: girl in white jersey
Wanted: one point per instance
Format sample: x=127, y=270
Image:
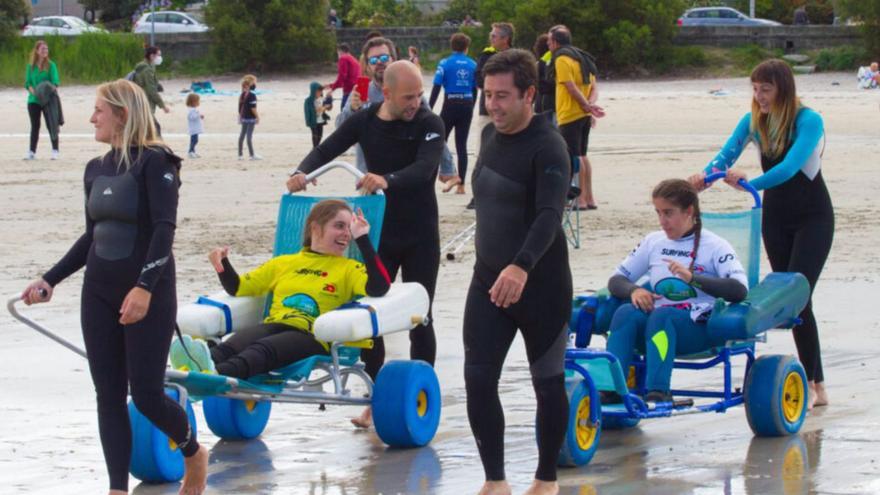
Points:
x=688, y=268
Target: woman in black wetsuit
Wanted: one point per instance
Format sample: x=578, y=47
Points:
x=521, y=280
x=798, y=218
x=129, y=303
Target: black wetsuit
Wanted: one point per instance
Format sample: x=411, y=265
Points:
x=406, y=154
x=798, y=229
x=269, y=346
x=130, y=222
x=520, y=184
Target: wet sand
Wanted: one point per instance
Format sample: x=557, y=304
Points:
x=654, y=130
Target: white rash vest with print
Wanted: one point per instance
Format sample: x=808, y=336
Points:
x=715, y=257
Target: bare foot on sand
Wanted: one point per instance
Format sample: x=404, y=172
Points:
x=365, y=420
x=542, y=488
x=195, y=475
x=117, y=492
x=451, y=183
x=495, y=488
x=817, y=390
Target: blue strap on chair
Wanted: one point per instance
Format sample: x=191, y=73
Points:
x=227, y=313
x=374, y=321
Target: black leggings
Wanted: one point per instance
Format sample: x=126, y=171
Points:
x=247, y=130
x=131, y=356
x=802, y=247
x=317, y=134
x=488, y=333
x=263, y=348
x=418, y=263
x=34, y=111
x=458, y=114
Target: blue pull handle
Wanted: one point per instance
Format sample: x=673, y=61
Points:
x=742, y=182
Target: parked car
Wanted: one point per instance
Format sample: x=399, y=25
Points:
x=63, y=25
x=721, y=16
x=168, y=21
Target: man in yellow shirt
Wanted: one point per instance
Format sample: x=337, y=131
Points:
x=576, y=108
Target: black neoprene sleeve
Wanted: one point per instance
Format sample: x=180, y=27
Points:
x=378, y=281
x=343, y=138
x=551, y=186
x=620, y=287
x=729, y=289
x=161, y=181
x=435, y=93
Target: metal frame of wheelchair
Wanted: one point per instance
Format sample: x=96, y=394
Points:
x=405, y=398
x=773, y=391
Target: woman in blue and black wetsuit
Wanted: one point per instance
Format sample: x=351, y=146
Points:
x=798, y=218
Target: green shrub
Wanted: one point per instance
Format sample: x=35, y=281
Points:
x=12, y=12
x=274, y=35
x=88, y=58
x=840, y=58
x=379, y=13
x=746, y=57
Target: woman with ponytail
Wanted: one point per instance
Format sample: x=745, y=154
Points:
x=798, y=218
x=687, y=267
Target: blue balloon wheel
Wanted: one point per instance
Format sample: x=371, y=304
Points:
x=234, y=419
x=406, y=403
x=775, y=396
x=618, y=423
x=155, y=458
x=584, y=423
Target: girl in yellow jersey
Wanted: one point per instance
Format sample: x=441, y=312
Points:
x=304, y=285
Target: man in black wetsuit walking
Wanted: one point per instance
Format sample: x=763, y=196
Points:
x=402, y=142
x=521, y=276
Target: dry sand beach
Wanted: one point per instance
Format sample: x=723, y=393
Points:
x=653, y=130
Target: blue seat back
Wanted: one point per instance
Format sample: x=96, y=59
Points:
x=294, y=210
x=742, y=230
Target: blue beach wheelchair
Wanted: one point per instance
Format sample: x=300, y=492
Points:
x=774, y=388
x=405, y=398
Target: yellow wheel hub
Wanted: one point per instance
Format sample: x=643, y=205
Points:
x=793, y=397
x=422, y=403
x=172, y=445
x=585, y=431
x=250, y=405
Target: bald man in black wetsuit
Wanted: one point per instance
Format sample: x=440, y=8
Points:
x=402, y=142
x=521, y=279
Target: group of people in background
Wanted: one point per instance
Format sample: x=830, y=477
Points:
x=536, y=114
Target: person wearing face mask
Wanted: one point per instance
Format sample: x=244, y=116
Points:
x=304, y=285
x=145, y=76
x=798, y=217
x=402, y=141
x=129, y=300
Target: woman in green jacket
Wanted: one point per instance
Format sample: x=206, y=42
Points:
x=40, y=70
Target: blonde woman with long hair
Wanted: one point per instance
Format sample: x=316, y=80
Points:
x=41, y=69
x=129, y=301
x=798, y=218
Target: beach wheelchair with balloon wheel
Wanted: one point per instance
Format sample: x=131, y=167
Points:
x=774, y=387
x=405, y=397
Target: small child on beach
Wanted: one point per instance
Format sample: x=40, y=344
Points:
x=315, y=108
x=247, y=115
x=194, y=122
